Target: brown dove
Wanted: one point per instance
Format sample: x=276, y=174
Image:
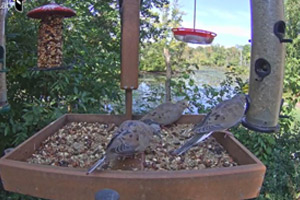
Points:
x=131, y=137
x=223, y=116
x=167, y=113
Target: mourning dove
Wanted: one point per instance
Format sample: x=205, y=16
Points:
x=223, y=116
x=131, y=137
x=167, y=113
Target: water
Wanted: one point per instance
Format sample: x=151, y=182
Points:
x=152, y=88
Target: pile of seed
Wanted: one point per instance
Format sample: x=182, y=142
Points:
x=50, y=42
x=207, y=154
x=80, y=144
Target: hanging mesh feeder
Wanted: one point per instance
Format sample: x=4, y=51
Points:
x=194, y=36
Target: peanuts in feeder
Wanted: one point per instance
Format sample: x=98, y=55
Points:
x=50, y=40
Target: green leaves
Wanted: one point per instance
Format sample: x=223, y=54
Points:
x=91, y=45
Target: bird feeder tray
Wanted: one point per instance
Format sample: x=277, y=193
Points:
x=61, y=183
x=194, y=36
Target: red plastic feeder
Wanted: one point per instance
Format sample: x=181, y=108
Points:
x=195, y=36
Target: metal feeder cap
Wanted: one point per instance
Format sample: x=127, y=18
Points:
x=50, y=9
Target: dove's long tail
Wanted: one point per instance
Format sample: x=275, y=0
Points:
x=191, y=142
x=99, y=163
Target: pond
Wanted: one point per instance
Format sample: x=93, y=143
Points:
x=151, y=89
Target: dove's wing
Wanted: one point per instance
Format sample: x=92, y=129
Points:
x=191, y=142
x=164, y=114
x=124, y=144
x=133, y=136
x=211, y=122
x=158, y=111
x=225, y=115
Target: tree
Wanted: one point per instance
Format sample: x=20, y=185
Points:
x=292, y=68
x=167, y=52
x=91, y=47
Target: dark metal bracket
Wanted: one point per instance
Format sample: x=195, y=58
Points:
x=279, y=31
x=264, y=129
x=260, y=129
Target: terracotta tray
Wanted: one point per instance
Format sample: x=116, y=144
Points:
x=61, y=183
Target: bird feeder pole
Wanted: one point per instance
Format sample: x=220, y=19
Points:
x=130, y=21
x=195, y=9
x=267, y=65
x=3, y=88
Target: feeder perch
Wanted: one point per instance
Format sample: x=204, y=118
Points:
x=50, y=36
x=194, y=36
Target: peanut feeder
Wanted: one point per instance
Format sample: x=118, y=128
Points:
x=50, y=38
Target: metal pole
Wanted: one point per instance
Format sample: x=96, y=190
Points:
x=128, y=101
x=195, y=5
x=3, y=87
x=267, y=65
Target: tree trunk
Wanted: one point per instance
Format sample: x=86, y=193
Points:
x=241, y=57
x=3, y=90
x=168, y=74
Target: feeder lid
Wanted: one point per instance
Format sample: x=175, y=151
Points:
x=195, y=36
x=50, y=9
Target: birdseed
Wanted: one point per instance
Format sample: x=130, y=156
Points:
x=81, y=144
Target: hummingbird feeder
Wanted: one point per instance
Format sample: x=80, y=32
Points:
x=193, y=35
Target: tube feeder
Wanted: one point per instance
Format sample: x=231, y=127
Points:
x=50, y=36
x=267, y=65
x=4, y=107
x=64, y=183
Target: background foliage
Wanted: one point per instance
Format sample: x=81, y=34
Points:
x=91, y=47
